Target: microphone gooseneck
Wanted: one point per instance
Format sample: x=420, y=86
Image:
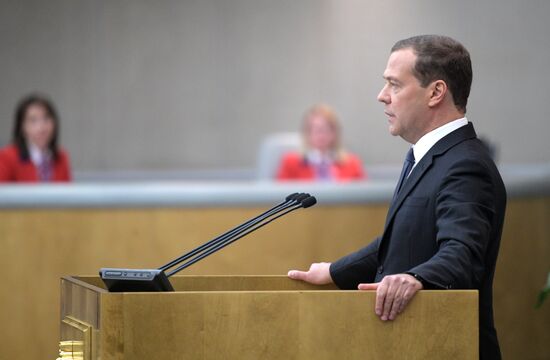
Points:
x=122, y=280
x=298, y=201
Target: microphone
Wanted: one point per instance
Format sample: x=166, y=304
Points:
x=305, y=202
x=122, y=280
x=289, y=200
x=294, y=199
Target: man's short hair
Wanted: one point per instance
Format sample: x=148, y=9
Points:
x=441, y=58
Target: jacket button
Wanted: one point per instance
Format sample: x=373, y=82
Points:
x=380, y=269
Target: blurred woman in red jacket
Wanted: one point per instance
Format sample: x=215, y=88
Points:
x=323, y=158
x=34, y=155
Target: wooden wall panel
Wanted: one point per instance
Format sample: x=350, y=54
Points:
x=40, y=246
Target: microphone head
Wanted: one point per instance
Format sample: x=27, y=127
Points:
x=309, y=201
x=291, y=196
x=301, y=197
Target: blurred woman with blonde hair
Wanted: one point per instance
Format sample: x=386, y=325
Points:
x=323, y=157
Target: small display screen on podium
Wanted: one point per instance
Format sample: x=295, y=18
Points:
x=135, y=280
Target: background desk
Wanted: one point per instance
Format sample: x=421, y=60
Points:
x=50, y=231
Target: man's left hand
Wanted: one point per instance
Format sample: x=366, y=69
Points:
x=393, y=293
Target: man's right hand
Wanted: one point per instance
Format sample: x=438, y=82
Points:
x=318, y=274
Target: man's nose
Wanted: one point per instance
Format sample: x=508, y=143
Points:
x=383, y=96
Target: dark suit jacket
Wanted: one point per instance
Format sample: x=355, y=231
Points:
x=444, y=225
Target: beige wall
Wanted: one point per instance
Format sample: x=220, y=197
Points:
x=196, y=84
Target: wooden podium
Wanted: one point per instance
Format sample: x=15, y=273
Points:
x=260, y=317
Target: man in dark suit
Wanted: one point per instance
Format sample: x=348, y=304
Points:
x=445, y=221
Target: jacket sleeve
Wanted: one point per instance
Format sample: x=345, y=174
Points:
x=66, y=174
x=358, y=172
x=6, y=167
x=465, y=210
x=285, y=168
x=355, y=268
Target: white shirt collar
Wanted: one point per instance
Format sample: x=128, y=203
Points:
x=426, y=142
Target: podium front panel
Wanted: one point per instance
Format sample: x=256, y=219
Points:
x=273, y=317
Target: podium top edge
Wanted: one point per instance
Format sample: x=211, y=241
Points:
x=94, y=283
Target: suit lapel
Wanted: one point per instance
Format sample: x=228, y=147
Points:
x=464, y=133
x=398, y=186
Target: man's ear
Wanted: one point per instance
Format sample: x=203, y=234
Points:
x=438, y=90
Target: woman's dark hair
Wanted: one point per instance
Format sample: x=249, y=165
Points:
x=20, y=113
x=441, y=58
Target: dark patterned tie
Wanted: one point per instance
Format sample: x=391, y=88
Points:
x=407, y=167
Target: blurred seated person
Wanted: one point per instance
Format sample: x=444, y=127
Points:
x=323, y=158
x=34, y=154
